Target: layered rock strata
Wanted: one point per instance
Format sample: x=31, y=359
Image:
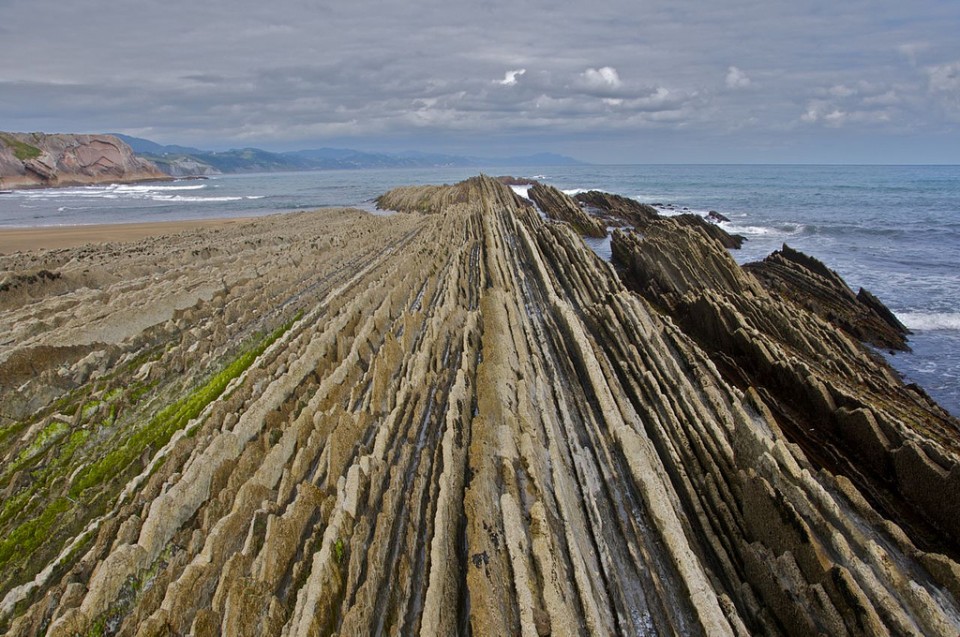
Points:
x=38, y=160
x=808, y=282
x=617, y=210
x=620, y=210
x=456, y=419
x=560, y=206
x=843, y=405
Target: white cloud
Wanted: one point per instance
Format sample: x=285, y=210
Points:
x=832, y=116
x=736, y=78
x=944, y=78
x=605, y=77
x=841, y=90
x=510, y=77
x=890, y=98
x=911, y=49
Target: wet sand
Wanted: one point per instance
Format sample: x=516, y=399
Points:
x=57, y=237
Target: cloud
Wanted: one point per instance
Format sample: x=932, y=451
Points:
x=510, y=77
x=943, y=83
x=605, y=77
x=911, y=49
x=242, y=72
x=889, y=98
x=737, y=78
x=841, y=90
x=833, y=116
x=945, y=78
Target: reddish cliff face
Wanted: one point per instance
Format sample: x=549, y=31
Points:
x=37, y=160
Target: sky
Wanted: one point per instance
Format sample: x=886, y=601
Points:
x=613, y=81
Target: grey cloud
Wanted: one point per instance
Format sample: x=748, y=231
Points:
x=296, y=71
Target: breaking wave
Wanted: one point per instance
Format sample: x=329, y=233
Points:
x=930, y=321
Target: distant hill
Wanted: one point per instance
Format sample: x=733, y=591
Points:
x=186, y=160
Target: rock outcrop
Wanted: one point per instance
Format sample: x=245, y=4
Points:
x=560, y=206
x=809, y=283
x=452, y=420
x=846, y=408
x=38, y=160
x=619, y=210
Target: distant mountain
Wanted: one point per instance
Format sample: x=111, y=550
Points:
x=142, y=146
x=186, y=160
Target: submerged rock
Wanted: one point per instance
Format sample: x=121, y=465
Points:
x=466, y=421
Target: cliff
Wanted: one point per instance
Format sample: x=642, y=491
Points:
x=455, y=419
x=38, y=160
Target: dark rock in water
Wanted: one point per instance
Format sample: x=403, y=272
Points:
x=639, y=215
x=810, y=284
x=716, y=217
x=881, y=310
x=715, y=232
x=618, y=208
x=509, y=180
x=561, y=207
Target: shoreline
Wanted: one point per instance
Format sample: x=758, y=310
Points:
x=25, y=239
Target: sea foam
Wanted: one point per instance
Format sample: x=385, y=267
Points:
x=928, y=321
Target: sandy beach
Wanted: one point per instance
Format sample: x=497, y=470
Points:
x=57, y=237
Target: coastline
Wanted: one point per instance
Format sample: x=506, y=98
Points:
x=58, y=237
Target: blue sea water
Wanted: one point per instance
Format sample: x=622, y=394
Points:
x=894, y=230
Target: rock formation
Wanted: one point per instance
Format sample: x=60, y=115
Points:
x=35, y=160
x=808, y=282
x=620, y=210
x=559, y=206
x=454, y=419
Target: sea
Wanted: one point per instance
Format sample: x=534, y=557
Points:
x=894, y=230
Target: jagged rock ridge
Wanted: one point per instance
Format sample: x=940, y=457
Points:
x=810, y=283
x=462, y=420
x=34, y=160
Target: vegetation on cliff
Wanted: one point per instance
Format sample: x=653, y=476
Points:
x=34, y=160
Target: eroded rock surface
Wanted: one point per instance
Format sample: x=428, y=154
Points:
x=621, y=210
x=448, y=420
x=810, y=283
x=35, y=160
x=560, y=206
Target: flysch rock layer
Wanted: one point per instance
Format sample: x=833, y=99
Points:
x=810, y=283
x=463, y=423
x=39, y=160
x=559, y=206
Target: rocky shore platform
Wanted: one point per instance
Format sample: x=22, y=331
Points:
x=457, y=419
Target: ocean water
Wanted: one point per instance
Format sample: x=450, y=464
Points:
x=894, y=230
